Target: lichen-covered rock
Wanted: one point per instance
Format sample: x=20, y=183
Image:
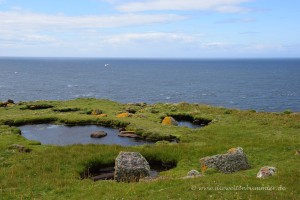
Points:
x=169, y=121
x=131, y=167
x=122, y=115
x=266, y=171
x=98, y=134
x=234, y=160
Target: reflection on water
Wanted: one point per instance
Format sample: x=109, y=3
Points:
x=189, y=124
x=67, y=135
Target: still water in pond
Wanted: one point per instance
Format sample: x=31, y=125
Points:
x=189, y=124
x=67, y=135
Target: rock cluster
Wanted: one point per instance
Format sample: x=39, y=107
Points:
x=232, y=161
x=131, y=167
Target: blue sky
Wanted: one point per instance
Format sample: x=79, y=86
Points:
x=151, y=29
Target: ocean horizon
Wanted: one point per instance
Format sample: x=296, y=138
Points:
x=263, y=84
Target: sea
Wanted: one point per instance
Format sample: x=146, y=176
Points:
x=271, y=85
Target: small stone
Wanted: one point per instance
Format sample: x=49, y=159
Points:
x=193, y=172
x=297, y=152
x=266, y=171
x=98, y=134
x=131, y=167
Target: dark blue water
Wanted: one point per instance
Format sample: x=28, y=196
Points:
x=264, y=85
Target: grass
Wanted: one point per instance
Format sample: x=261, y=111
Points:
x=53, y=172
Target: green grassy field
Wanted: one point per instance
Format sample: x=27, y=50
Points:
x=53, y=172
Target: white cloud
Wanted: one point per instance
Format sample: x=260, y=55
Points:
x=236, y=20
x=152, y=37
x=211, y=5
x=27, y=20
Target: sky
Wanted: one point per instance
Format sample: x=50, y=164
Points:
x=150, y=28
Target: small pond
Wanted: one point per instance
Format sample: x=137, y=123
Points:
x=189, y=124
x=68, y=135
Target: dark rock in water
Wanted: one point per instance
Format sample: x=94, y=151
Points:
x=20, y=148
x=98, y=134
x=266, y=171
x=130, y=134
x=10, y=101
x=234, y=160
x=131, y=167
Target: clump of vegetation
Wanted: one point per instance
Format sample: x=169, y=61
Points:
x=287, y=112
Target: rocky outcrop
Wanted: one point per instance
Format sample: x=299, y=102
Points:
x=131, y=167
x=266, y=171
x=98, y=134
x=169, y=121
x=232, y=161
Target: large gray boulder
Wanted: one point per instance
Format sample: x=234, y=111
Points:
x=232, y=161
x=131, y=167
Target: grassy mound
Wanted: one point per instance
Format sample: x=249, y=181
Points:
x=55, y=172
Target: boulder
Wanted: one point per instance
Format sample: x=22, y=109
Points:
x=98, y=134
x=131, y=167
x=266, y=171
x=232, y=161
x=169, y=121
